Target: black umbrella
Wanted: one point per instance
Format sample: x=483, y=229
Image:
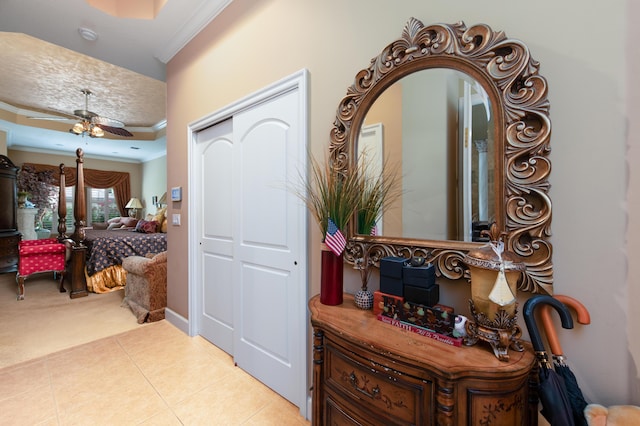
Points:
x=574, y=394
x=551, y=388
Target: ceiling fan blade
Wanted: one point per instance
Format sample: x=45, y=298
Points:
x=49, y=118
x=115, y=130
x=104, y=121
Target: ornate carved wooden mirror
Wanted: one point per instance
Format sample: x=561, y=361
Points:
x=482, y=158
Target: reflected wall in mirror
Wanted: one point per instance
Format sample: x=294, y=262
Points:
x=463, y=113
x=434, y=126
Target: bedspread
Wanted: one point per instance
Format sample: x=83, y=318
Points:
x=108, y=248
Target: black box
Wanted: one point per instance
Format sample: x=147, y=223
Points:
x=423, y=296
x=391, y=285
x=392, y=266
x=420, y=276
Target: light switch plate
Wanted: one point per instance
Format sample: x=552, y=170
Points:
x=175, y=219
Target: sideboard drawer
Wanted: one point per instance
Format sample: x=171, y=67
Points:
x=9, y=251
x=9, y=243
x=337, y=416
x=386, y=394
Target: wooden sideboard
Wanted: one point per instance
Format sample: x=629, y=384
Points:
x=366, y=372
x=9, y=234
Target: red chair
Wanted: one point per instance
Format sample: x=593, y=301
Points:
x=36, y=256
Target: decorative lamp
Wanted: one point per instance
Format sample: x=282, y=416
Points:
x=494, y=281
x=133, y=205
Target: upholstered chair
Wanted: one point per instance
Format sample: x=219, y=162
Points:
x=37, y=256
x=146, y=289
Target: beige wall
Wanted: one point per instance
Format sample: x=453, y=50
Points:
x=388, y=110
x=581, y=49
x=154, y=182
x=134, y=169
x=630, y=294
x=3, y=143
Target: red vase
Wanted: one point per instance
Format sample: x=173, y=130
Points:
x=331, y=278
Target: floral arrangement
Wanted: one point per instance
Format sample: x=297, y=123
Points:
x=329, y=195
x=334, y=198
x=40, y=187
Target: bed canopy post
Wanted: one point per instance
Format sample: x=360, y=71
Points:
x=62, y=206
x=79, y=204
x=79, y=249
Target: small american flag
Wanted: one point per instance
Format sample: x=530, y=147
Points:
x=334, y=239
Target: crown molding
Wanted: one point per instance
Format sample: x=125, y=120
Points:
x=71, y=154
x=200, y=18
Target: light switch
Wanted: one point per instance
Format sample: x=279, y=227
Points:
x=175, y=219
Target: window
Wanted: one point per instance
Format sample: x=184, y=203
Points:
x=50, y=218
x=101, y=205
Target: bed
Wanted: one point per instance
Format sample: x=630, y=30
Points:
x=107, y=249
x=95, y=261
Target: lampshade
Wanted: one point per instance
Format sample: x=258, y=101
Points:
x=133, y=203
x=163, y=199
x=96, y=132
x=78, y=128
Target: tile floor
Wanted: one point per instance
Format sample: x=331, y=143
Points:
x=154, y=375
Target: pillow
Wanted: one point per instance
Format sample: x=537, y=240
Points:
x=129, y=221
x=99, y=225
x=114, y=220
x=160, y=217
x=147, y=226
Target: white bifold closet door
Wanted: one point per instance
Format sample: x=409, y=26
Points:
x=252, y=234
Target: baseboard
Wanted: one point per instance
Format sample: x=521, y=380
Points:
x=177, y=320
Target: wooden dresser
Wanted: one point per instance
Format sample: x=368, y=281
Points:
x=9, y=235
x=366, y=372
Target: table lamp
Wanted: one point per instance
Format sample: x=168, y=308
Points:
x=133, y=205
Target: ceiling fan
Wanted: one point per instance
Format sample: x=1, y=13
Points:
x=92, y=124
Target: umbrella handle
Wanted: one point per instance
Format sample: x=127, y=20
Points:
x=547, y=323
x=529, y=318
x=581, y=311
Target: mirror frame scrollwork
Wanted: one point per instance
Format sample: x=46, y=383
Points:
x=522, y=129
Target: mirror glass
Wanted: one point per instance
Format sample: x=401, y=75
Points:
x=429, y=104
x=434, y=127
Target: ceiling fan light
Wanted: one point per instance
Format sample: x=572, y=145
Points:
x=77, y=128
x=96, y=132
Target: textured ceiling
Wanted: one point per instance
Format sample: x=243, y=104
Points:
x=45, y=77
x=44, y=65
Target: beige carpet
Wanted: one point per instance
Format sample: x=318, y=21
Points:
x=47, y=321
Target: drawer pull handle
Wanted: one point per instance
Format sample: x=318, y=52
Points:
x=354, y=382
